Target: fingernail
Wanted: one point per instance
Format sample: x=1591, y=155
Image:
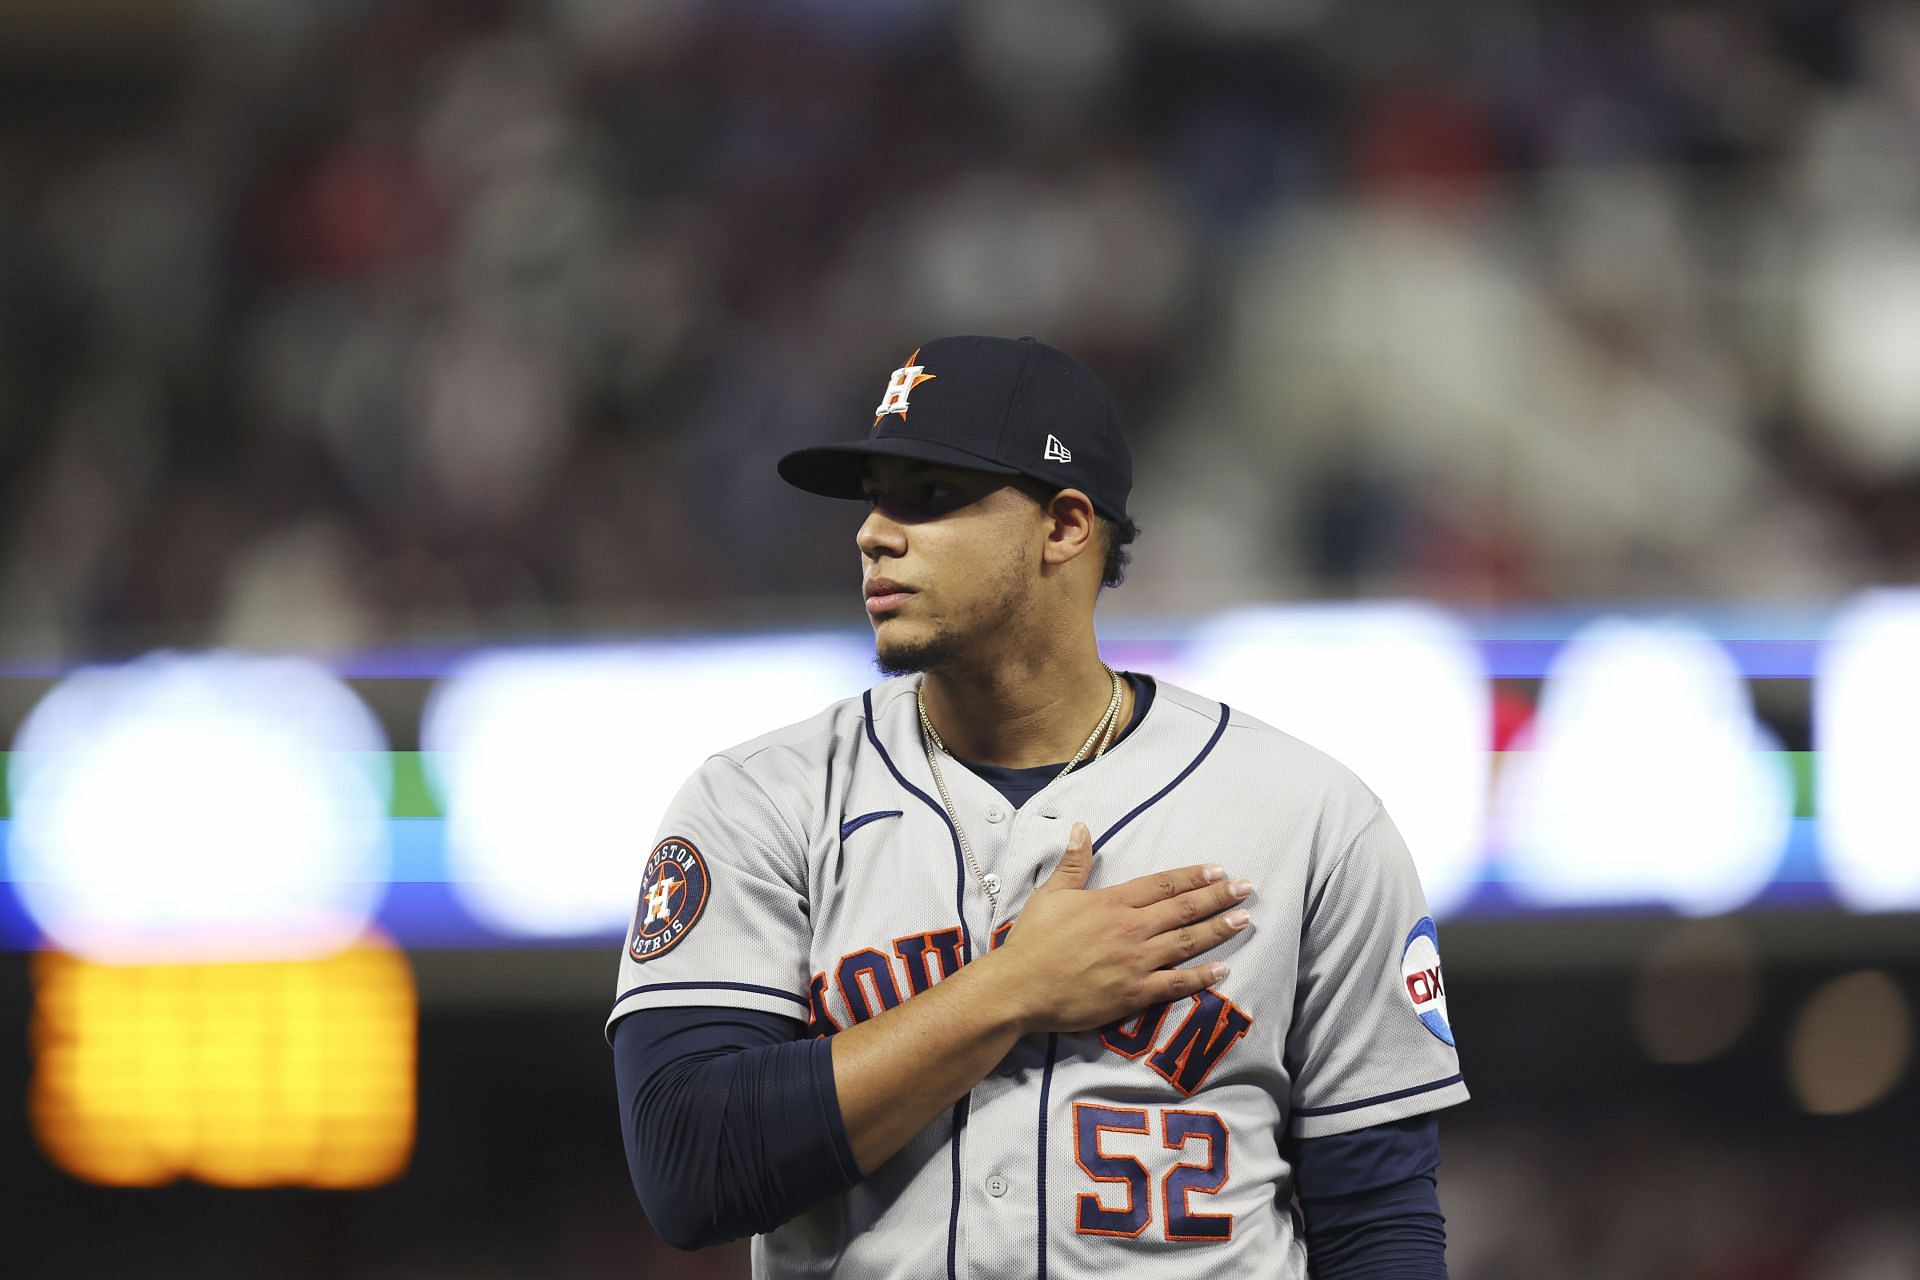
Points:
x=1080, y=831
x=1215, y=874
x=1217, y=971
x=1241, y=888
x=1238, y=919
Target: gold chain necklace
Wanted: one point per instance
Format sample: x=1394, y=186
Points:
x=930, y=739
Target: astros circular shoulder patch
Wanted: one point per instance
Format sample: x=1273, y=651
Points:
x=1420, y=970
x=673, y=892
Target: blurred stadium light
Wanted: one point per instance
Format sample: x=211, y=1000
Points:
x=1867, y=730
x=206, y=806
x=1396, y=692
x=555, y=766
x=283, y=1072
x=1644, y=777
x=221, y=806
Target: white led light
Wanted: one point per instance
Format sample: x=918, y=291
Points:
x=1867, y=731
x=556, y=766
x=211, y=806
x=1396, y=692
x=1644, y=777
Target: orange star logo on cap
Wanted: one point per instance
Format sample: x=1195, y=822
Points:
x=900, y=386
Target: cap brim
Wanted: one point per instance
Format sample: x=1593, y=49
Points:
x=835, y=470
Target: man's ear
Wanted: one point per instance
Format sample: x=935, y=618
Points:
x=1073, y=528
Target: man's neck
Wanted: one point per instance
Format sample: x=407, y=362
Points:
x=1025, y=716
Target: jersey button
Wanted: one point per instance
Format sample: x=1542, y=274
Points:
x=996, y=1186
x=996, y=813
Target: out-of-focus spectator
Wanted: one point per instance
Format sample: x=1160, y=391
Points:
x=332, y=325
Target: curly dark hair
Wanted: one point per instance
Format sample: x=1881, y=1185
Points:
x=1115, y=535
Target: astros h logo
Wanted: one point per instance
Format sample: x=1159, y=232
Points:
x=900, y=386
x=673, y=892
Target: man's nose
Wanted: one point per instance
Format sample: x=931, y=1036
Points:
x=880, y=536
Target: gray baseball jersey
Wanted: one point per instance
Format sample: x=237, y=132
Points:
x=814, y=873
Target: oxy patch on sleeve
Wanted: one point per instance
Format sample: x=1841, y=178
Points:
x=1420, y=970
x=673, y=892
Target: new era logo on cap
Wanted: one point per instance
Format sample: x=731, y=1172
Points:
x=1055, y=451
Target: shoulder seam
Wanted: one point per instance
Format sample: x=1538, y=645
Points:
x=1205, y=717
x=793, y=835
x=1378, y=809
x=1313, y=908
x=769, y=746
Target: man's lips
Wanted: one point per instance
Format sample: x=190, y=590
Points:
x=884, y=595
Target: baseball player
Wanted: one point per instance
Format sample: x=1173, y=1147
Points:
x=1016, y=965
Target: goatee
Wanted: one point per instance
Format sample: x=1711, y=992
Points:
x=922, y=655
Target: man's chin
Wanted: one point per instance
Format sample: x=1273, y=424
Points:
x=899, y=655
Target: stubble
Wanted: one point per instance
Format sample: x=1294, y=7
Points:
x=1001, y=611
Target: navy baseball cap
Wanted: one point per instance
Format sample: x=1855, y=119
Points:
x=1009, y=406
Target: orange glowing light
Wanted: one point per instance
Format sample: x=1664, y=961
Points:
x=298, y=1072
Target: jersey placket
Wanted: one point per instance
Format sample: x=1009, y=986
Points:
x=1000, y=1182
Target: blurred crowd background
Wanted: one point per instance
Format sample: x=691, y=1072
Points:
x=328, y=325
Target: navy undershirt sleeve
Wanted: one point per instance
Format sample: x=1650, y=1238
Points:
x=732, y=1123
x=1371, y=1205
